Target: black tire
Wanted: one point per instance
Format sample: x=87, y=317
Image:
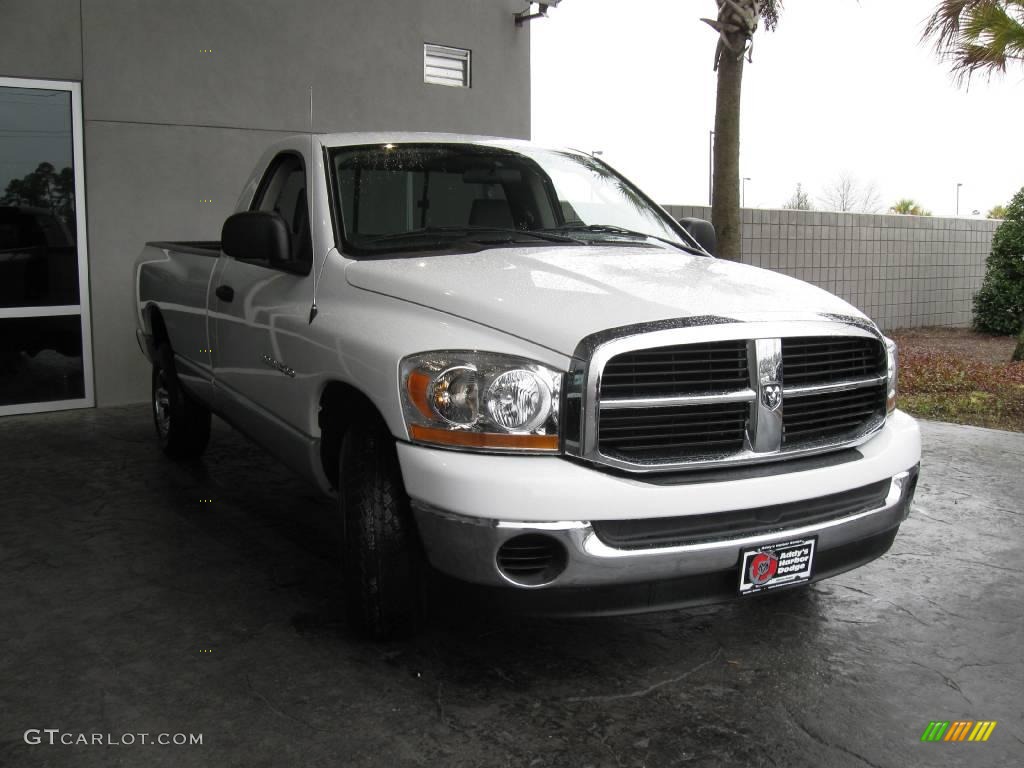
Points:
x=383, y=562
x=182, y=424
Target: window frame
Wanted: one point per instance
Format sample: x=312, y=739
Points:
x=83, y=308
x=257, y=199
x=348, y=249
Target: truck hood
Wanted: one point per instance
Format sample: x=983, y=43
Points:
x=556, y=296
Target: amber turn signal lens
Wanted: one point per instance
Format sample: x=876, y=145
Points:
x=483, y=439
x=418, y=385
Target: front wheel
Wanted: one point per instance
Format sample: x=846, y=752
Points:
x=182, y=424
x=382, y=556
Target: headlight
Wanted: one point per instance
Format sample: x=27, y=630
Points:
x=481, y=400
x=891, y=368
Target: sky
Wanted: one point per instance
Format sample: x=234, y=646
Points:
x=840, y=87
x=35, y=127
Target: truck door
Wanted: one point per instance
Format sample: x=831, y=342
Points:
x=260, y=317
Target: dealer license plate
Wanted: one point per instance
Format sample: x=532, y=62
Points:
x=771, y=566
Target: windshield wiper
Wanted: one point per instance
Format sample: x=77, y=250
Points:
x=470, y=234
x=605, y=228
x=611, y=229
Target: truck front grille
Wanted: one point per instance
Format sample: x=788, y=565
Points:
x=650, y=434
x=735, y=400
x=692, y=369
x=825, y=360
x=831, y=417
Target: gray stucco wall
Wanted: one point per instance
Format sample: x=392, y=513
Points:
x=167, y=125
x=902, y=271
x=40, y=39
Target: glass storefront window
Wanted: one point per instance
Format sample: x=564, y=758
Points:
x=45, y=360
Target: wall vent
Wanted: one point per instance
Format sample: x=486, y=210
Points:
x=443, y=65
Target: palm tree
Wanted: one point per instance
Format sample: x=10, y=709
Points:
x=978, y=35
x=997, y=212
x=736, y=24
x=907, y=207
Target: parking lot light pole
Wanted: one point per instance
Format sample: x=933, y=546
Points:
x=958, y=185
x=743, y=192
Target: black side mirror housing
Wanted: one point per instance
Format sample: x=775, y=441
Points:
x=703, y=232
x=259, y=236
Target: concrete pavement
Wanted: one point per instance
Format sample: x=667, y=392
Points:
x=129, y=604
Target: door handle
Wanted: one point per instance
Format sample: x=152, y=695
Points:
x=225, y=293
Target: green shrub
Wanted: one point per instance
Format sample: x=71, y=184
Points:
x=999, y=305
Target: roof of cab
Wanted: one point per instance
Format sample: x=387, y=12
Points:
x=407, y=137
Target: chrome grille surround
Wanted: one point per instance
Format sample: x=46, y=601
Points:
x=764, y=435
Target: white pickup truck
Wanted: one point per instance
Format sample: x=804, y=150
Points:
x=521, y=377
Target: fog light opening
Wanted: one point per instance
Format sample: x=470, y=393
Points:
x=532, y=559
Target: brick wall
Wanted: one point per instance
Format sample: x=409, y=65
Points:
x=902, y=271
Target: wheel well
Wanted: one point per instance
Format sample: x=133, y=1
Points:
x=340, y=405
x=157, y=327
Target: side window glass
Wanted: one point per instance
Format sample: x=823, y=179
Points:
x=283, y=191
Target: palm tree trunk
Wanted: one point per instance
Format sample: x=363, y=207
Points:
x=725, y=199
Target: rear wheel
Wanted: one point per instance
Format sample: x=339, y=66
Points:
x=382, y=556
x=182, y=424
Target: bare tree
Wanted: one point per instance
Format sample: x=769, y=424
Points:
x=847, y=194
x=800, y=201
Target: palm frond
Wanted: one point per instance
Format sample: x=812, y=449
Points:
x=977, y=35
x=944, y=24
x=770, y=10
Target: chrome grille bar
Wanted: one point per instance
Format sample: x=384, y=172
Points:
x=839, y=386
x=739, y=396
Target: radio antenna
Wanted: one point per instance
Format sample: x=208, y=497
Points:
x=311, y=198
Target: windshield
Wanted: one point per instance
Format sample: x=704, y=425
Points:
x=394, y=197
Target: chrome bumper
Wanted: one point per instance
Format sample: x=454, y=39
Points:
x=466, y=548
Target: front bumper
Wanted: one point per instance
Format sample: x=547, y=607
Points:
x=468, y=505
x=467, y=548
x=643, y=597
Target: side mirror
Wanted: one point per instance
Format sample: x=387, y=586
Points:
x=703, y=232
x=258, y=236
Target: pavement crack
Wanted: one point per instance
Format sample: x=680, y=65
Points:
x=950, y=682
x=980, y=665
x=910, y=554
x=854, y=589
x=939, y=607
x=922, y=513
x=852, y=621
x=988, y=565
x=909, y=613
x=650, y=688
x=825, y=742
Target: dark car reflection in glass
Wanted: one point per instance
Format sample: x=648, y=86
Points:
x=38, y=259
x=40, y=357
